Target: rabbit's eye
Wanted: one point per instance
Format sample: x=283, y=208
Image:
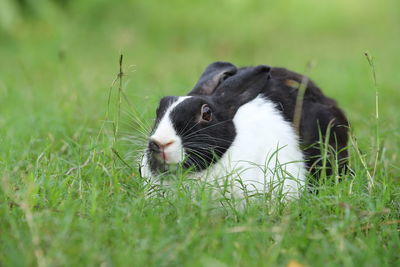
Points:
x=206, y=113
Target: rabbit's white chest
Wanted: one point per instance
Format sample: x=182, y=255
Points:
x=265, y=152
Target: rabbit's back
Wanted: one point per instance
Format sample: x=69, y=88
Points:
x=320, y=116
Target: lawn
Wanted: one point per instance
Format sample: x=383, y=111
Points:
x=72, y=130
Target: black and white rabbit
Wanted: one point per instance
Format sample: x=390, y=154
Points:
x=238, y=123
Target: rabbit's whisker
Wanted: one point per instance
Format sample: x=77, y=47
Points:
x=205, y=128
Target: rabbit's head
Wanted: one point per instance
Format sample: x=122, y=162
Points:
x=194, y=131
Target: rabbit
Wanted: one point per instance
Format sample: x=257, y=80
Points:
x=237, y=125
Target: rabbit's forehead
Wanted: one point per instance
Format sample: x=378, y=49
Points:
x=164, y=130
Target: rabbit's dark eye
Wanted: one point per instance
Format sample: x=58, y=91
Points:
x=206, y=113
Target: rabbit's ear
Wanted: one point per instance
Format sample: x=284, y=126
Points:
x=212, y=76
x=244, y=86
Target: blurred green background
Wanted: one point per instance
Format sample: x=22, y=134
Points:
x=67, y=51
x=59, y=58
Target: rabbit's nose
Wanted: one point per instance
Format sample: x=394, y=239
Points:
x=157, y=146
x=153, y=146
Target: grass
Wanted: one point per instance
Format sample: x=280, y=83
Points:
x=70, y=193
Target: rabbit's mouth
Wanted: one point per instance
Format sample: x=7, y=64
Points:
x=164, y=161
x=157, y=165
